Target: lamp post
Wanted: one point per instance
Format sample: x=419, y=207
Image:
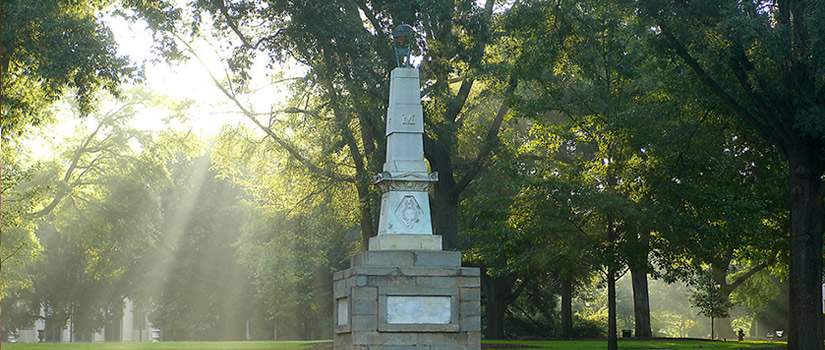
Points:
x=713, y=307
x=401, y=36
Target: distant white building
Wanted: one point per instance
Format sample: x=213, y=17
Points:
x=132, y=327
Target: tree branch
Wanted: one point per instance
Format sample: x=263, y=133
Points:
x=460, y=100
x=747, y=275
x=726, y=98
x=385, y=50
x=489, y=142
x=251, y=116
x=512, y=296
x=234, y=27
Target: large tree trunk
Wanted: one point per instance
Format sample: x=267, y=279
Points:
x=638, y=276
x=612, y=336
x=641, y=302
x=497, y=292
x=444, y=199
x=567, y=307
x=445, y=215
x=807, y=215
x=721, y=326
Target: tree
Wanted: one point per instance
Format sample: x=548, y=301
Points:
x=47, y=48
x=707, y=298
x=97, y=217
x=761, y=64
x=20, y=198
x=594, y=82
x=53, y=49
x=192, y=284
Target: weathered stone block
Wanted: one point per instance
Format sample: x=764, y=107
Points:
x=364, y=293
x=472, y=339
x=446, y=347
x=365, y=307
x=470, y=271
x=395, y=339
x=470, y=308
x=366, y=338
x=437, y=258
x=405, y=242
x=440, y=339
x=339, y=285
x=398, y=347
x=392, y=258
x=363, y=323
x=437, y=282
x=469, y=294
x=358, y=281
x=468, y=282
x=429, y=271
x=375, y=271
x=471, y=323
x=392, y=281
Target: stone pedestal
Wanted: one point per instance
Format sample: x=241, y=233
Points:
x=407, y=299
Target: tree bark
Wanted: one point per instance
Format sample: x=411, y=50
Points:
x=444, y=201
x=641, y=302
x=497, y=294
x=567, y=307
x=612, y=336
x=638, y=277
x=721, y=326
x=805, y=328
x=445, y=215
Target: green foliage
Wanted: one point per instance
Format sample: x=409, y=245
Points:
x=707, y=298
x=19, y=243
x=190, y=282
x=96, y=218
x=674, y=325
x=50, y=48
x=290, y=261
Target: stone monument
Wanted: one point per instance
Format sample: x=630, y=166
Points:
x=405, y=292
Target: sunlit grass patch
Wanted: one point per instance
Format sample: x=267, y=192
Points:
x=299, y=345
x=639, y=344
x=245, y=345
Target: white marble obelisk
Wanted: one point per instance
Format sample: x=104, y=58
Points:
x=405, y=222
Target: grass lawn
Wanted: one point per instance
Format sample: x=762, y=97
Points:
x=298, y=345
x=675, y=344
x=190, y=345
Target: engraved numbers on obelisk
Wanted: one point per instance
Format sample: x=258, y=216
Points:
x=408, y=119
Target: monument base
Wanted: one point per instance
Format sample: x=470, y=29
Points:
x=405, y=242
x=399, y=299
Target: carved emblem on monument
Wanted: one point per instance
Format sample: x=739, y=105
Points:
x=408, y=212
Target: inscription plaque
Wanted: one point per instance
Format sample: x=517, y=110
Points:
x=418, y=309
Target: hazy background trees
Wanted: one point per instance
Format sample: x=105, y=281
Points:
x=589, y=152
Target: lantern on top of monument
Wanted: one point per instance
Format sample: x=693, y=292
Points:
x=401, y=38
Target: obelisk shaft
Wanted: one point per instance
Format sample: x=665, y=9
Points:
x=405, y=221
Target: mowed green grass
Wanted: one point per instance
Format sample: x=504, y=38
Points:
x=644, y=344
x=190, y=345
x=298, y=345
